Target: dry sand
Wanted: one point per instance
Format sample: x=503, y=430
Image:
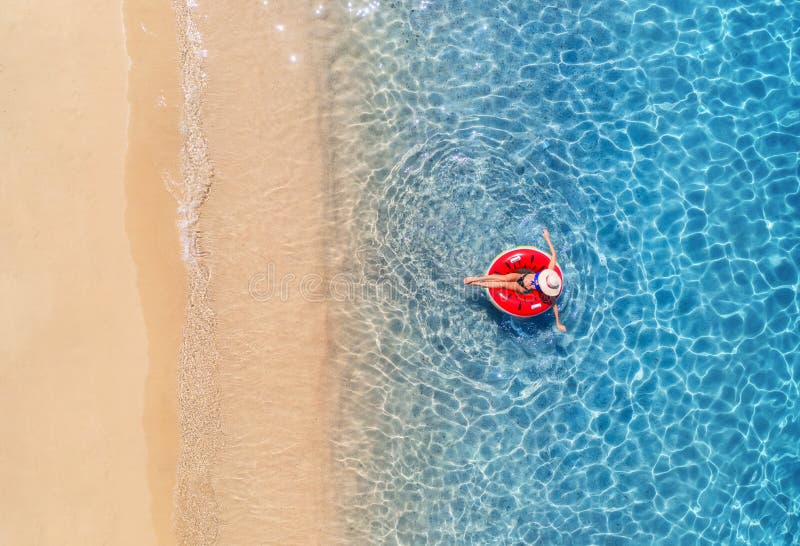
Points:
x=90, y=330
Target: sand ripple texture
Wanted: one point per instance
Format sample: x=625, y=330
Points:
x=659, y=144
x=195, y=504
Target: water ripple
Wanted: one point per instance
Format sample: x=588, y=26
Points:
x=659, y=145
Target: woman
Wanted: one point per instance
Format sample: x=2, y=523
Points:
x=546, y=281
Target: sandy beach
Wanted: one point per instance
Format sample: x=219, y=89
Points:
x=97, y=348
x=88, y=358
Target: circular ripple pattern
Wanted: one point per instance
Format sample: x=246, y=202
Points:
x=659, y=144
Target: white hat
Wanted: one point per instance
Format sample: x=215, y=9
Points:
x=549, y=282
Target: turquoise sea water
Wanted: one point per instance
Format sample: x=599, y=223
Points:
x=658, y=142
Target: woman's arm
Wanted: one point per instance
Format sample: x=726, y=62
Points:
x=546, y=234
x=560, y=326
x=552, y=250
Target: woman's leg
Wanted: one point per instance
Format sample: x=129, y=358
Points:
x=494, y=277
x=513, y=286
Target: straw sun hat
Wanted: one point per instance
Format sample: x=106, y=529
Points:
x=550, y=282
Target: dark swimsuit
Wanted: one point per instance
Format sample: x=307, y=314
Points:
x=534, y=286
x=521, y=282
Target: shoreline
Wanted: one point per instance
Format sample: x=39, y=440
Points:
x=152, y=164
x=196, y=508
x=162, y=402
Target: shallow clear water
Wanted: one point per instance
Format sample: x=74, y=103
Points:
x=659, y=145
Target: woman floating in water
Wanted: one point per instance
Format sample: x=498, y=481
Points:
x=546, y=281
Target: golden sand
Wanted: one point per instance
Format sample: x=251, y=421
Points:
x=153, y=166
x=98, y=449
x=90, y=332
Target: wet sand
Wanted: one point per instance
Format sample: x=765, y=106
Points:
x=152, y=170
x=90, y=330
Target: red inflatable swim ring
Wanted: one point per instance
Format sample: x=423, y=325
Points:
x=525, y=259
